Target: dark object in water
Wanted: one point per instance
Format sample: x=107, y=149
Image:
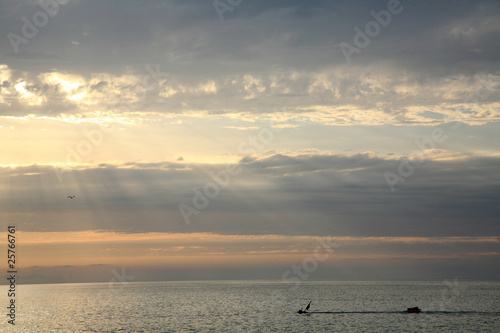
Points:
x=413, y=310
x=307, y=308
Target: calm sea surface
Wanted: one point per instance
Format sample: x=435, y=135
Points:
x=257, y=306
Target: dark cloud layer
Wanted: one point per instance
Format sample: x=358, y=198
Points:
x=455, y=37
x=295, y=194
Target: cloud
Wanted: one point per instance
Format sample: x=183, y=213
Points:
x=282, y=32
x=47, y=255
x=335, y=194
x=428, y=59
x=357, y=98
x=242, y=128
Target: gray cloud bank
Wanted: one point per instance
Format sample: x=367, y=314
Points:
x=264, y=55
x=96, y=36
x=301, y=194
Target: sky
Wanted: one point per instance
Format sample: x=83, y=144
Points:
x=240, y=139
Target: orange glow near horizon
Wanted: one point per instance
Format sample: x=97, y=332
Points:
x=184, y=250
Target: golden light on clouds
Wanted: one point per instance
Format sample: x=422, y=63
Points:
x=131, y=92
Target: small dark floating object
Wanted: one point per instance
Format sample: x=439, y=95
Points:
x=414, y=310
x=307, y=308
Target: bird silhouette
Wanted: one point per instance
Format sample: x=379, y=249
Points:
x=71, y=196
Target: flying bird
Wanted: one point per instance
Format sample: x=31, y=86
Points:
x=71, y=196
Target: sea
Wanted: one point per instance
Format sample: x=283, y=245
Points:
x=256, y=306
